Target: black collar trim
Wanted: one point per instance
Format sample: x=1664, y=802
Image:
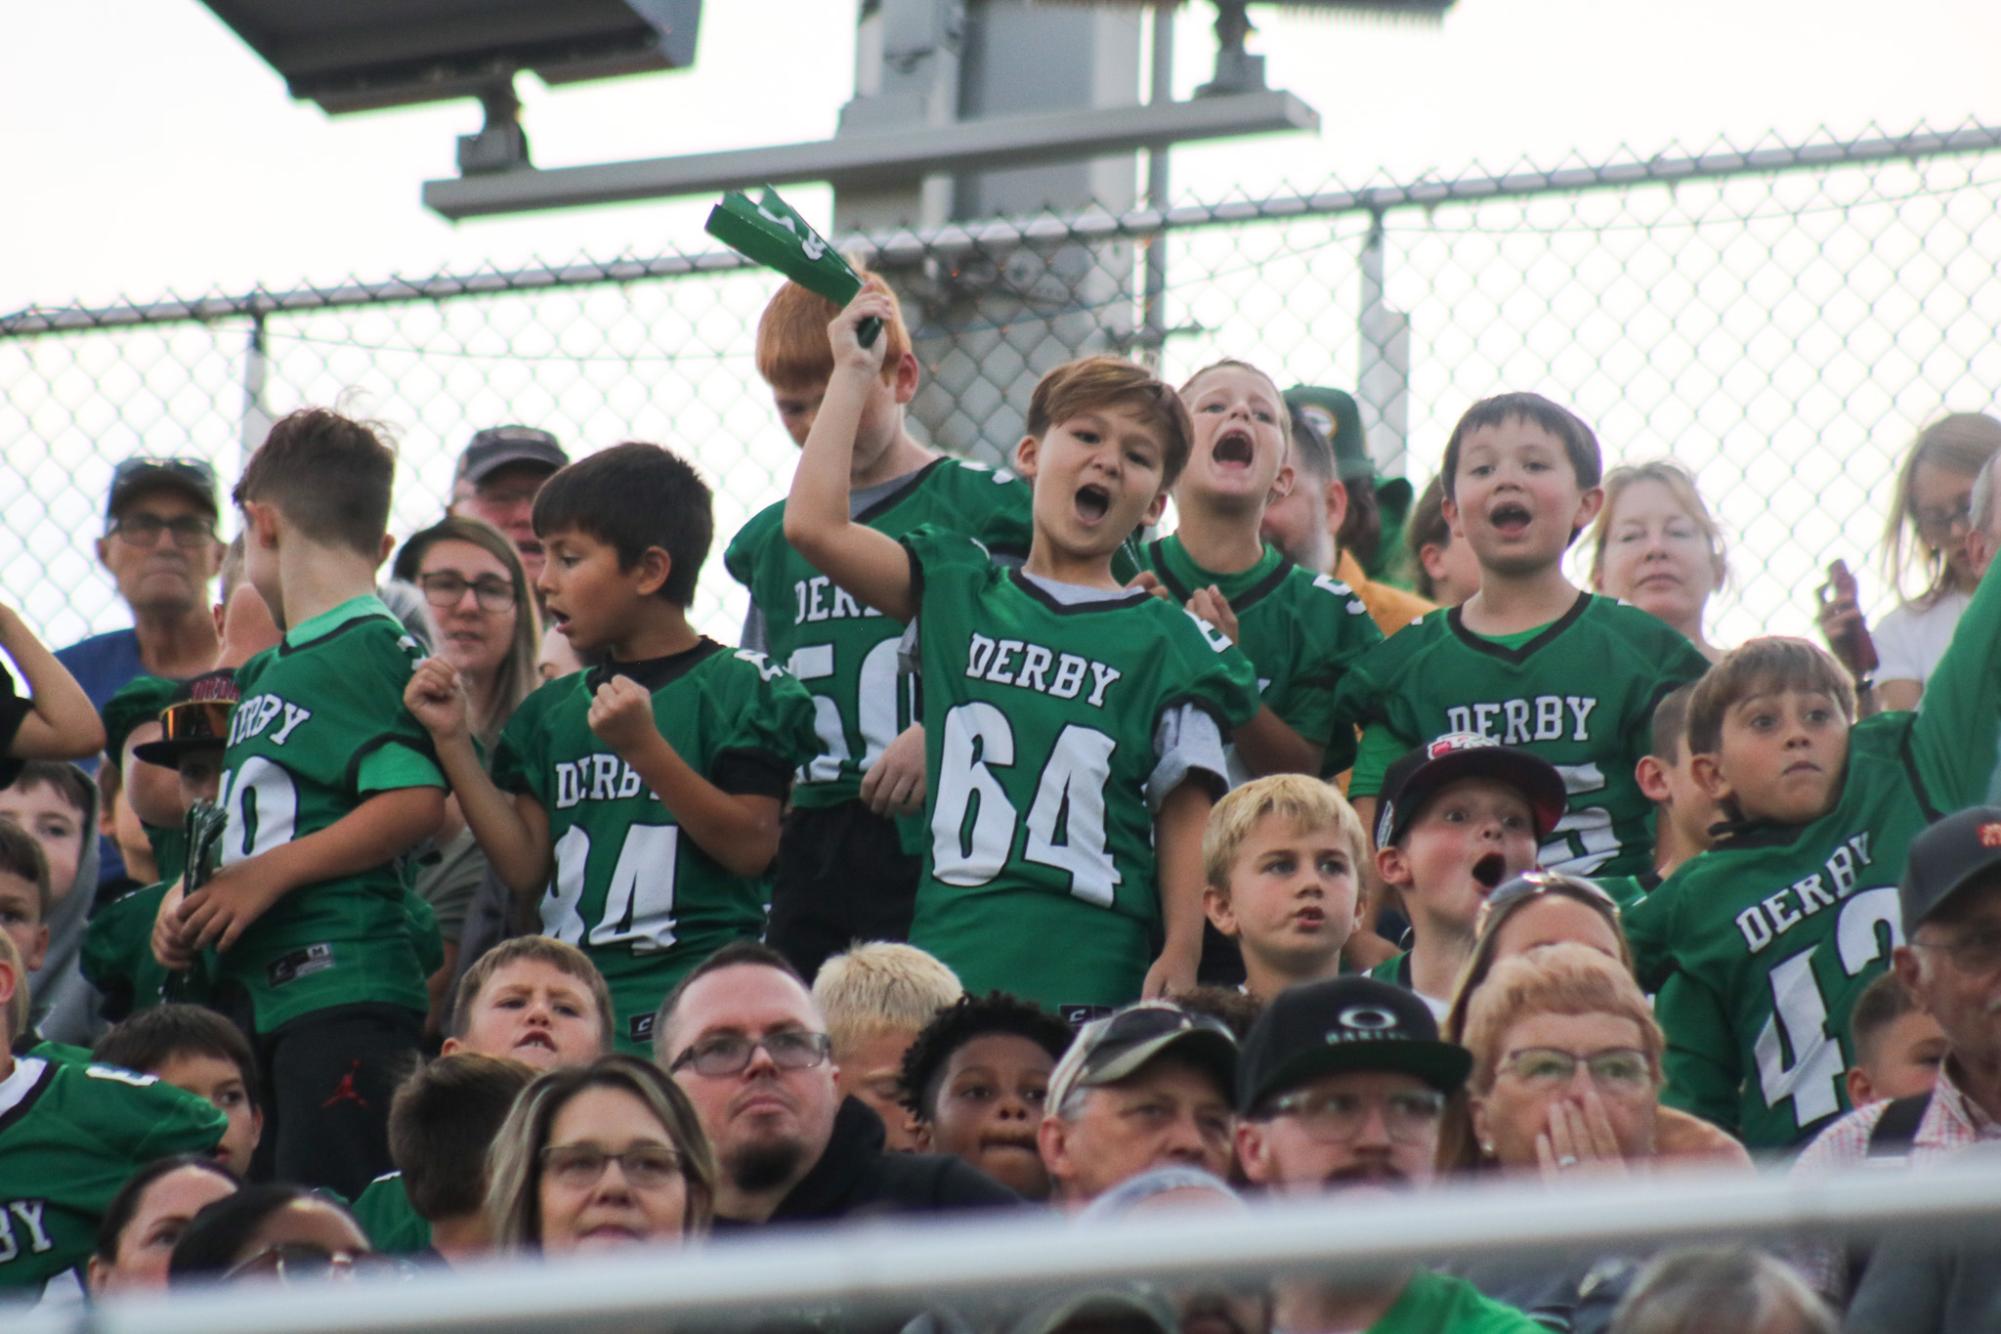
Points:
x=1456, y=619
x=909, y=482
x=1132, y=597
x=653, y=673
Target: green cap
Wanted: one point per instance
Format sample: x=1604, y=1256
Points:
x=137, y=701
x=1335, y=414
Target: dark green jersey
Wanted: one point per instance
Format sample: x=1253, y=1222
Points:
x=1759, y=946
x=1627, y=890
x=1580, y=694
x=1300, y=630
x=69, y=1137
x=118, y=958
x=392, y=1223
x=843, y=653
x=320, y=728
x=644, y=902
x=1054, y=729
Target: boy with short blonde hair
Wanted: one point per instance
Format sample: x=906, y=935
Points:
x=876, y=998
x=848, y=861
x=1283, y=858
x=1074, y=728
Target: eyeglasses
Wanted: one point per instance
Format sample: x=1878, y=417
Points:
x=197, y=720
x=445, y=589
x=144, y=530
x=1534, y=883
x=644, y=1166
x=730, y=1053
x=303, y=1262
x=1940, y=523
x=1410, y=1115
x=1621, y=1069
x=1976, y=953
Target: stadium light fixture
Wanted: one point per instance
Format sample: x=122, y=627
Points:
x=1238, y=71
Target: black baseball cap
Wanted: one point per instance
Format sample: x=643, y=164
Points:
x=500, y=447
x=1946, y=858
x=192, y=477
x=1116, y=1047
x=1347, y=1023
x=1418, y=775
x=196, y=717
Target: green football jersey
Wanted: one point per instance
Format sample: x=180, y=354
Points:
x=1044, y=724
x=321, y=728
x=1438, y=1303
x=1759, y=946
x=1300, y=630
x=843, y=653
x=1580, y=694
x=645, y=903
x=118, y=959
x=69, y=1137
x=392, y=1223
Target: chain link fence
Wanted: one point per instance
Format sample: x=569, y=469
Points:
x=1781, y=318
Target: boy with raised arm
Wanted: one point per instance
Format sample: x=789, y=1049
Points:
x=1530, y=660
x=642, y=795
x=847, y=859
x=1074, y=729
x=327, y=782
x=1759, y=946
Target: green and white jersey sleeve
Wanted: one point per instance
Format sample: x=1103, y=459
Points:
x=69, y=1137
x=1300, y=630
x=631, y=889
x=319, y=729
x=843, y=653
x=1580, y=693
x=1054, y=728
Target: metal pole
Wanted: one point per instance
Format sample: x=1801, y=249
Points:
x=929, y=1262
x=1153, y=315
x=1382, y=380
x=256, y=368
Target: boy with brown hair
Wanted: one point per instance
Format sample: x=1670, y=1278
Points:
x=197, y=1051
x=1683, y=812
x=327, y=782
x=1074, y=728
x=847, y=860
x=445, y=1117
x=1283, y=858
x=1898, y=1046
x=1759, y=947
x=1530, y=660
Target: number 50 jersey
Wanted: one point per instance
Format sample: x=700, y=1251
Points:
x=1048, y=747
x=631, y=889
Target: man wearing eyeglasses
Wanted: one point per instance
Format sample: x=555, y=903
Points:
x=159, y=546
x=1950, y=901
x=498, y=475
x=1342, y=1088
x=742, y=1037
x=1149, y=1086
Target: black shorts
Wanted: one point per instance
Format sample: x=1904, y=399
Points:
x=842, y=877
x=328, y=1077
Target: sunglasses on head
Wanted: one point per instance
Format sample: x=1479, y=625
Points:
x=1538, y=882
x=197, y=720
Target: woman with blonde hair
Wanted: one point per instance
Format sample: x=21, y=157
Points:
x=473, y=580
x=1931, y=516
x=600, y=1155
x=1657, y=546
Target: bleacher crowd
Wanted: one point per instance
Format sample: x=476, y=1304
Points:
x=354, y=919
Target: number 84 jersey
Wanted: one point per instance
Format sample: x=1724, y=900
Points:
x=1050, y=741
x=631, y=889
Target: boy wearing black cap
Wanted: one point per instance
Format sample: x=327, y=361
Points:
x=1458, y=816
x=1343, y=1085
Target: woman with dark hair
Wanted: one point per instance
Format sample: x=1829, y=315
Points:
x=146, y=1218
x=605, y=1154
x=270, y=1230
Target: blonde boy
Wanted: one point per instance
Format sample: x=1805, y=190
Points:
x=876, y=998
x=1283, y=857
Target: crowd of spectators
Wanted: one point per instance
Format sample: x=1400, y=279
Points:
x=1332, y=845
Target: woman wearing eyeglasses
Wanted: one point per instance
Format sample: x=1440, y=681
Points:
x=477, y=593
x=1931, y=517
x=607, y=1154
x=271, y=1231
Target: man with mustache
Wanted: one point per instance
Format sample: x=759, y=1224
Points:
x=742, y=1037
x=1341, y=1089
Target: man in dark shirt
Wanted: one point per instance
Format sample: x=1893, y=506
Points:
x=742, y=1037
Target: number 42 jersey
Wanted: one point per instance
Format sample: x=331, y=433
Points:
x=1047, y=741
